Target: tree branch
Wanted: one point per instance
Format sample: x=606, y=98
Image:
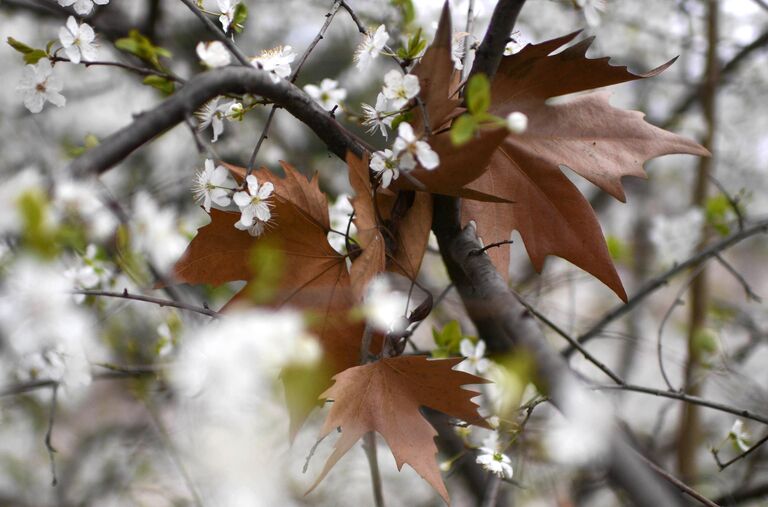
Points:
x=199, y=90
x=149, y=299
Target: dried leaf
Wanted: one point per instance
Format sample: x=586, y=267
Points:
x=385, y=397
x=599, y=142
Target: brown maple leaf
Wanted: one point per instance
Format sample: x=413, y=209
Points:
x=586, y=134
x=313, y=277
x=385, y=397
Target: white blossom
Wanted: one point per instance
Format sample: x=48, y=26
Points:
x=339, y=214
x=409, y=149
x=154, y=231
x=42, y=326
x=254, y=207
x=77, y=41
x=385, y=308
x=212, y=114
x=213, y=54
x=328, y=94
x=371, y=46
x=475, y=361
x=82, y=7
x=38, y=85
x=458, y=49
x=399, y=88
x=493, y=459
x=227, y=13
x=738, y=436
x=83, y=276
x=517, y=122
x=208, y=186
x=276, y=61
x=378, y=116
x=385, y=165
x=513, y=47
x=81, y=198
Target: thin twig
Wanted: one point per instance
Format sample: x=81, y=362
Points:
x=678, y=483
x=753, y=448
x=149, y=299
x=492, y=245
x=733, y=202
x=694, y=400
x=468, y=29
x=49, y=433
x=678, y=301
x=211, y=26
x=738, y=276
x=292, y=78
x=26, y=387
x=142, y=71
x=661, y=280
x=584, y=352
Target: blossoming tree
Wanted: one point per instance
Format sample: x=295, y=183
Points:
x=299, y=307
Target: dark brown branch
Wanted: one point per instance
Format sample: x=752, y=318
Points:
x=678, y=483
x=199, y=90
x=491, y=49
x=661, y=280
x=742, y=495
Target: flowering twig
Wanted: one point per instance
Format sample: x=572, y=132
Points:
x=211, y=26
x=292, y=78
x=149, y=299
x=723, y=465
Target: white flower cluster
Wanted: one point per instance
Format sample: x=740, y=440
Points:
x=371, y=46
x=398, y=90
x=406, y=151
x=213, y=54
x=492, y=458
x=82, y=7
x=328, y=94
x=276, y=61
x=226, y=13
x=154, y=231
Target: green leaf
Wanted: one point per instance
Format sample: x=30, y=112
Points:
x=618, y=249
x=717, y=212
x=406, y=9
x=31, y=55
x=414, y=47
x=238, y=20
x=163, y=84
x=448, y=340
x=463, y=129
x=478, y=95
x=400, y=118
x=141, y=47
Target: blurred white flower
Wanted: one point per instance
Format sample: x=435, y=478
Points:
x=154, y=231
x=399, y=88
x=276, y=61
x=82, y=7
x=409, y=149
x=213, y=54
x=513, y=47
x=517, y=122
x=676, y=237
x=81, y=198
x=226, y=13
x=77, y=41
x=254, y=206
x=457, y=49
x=38, y=85
x=82, y=276
x=208, y=186
x=42, y=325
x=339, y=212
x=371, y=46
x=385, y=308
x=493, y=459
x=385, y=165
x=738, y=436
x=378, y=116
x=328, y=94
x=592, y=10
x=475, y=361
